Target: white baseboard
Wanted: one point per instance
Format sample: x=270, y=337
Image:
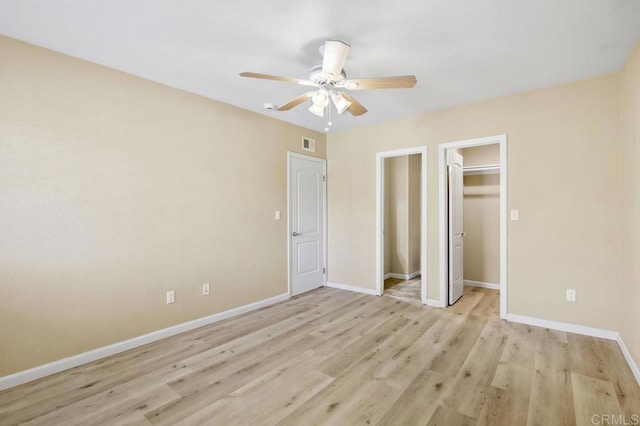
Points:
x=627, y=355
x=586, y=331
x=401, y=276
x=482, y=284
x=434, y=303
x=105, y=351
x=564, y=326
x=352, y=288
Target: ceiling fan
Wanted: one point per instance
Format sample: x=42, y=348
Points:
x=329, y=78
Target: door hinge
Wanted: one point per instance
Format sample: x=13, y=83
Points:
x=324, y=178
x=324, y=270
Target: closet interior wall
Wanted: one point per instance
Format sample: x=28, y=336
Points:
x=482, y=214
x=402, y=215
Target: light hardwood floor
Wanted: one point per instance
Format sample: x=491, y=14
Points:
x=337, y=357
x=407, y=290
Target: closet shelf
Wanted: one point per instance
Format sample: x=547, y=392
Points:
x=481, y=170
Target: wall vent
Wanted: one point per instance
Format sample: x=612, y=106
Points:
x=308, y=144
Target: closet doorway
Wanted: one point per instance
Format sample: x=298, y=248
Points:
x=401, y=224
x=473, y=221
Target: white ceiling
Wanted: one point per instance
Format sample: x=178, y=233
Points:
x=461, y=51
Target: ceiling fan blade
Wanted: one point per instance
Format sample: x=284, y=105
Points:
x=356, y=107
x=335, y=55
x=398, y=82
x=295, y=102
x=278, y=78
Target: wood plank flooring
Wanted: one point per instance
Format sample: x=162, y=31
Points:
x=406, y=290
x=336, y=357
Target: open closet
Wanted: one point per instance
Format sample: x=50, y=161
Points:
x=473, y=219
x=481, y=207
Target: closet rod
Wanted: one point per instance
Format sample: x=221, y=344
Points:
x=481, y=170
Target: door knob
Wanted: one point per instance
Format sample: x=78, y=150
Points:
x=464, y=234
x=295, y=234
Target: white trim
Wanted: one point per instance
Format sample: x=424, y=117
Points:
x=423, y=226
x=434, y=303
x=503, y=227
x=288, y=224
x=581, y=329
x=354, y=288
x=442, y=183
x=380, y=156
x=492, y=286
x=401, y=276
x=325, y=224
x=564, y=326
x=627, y=355
x=291, y=155
x=105, y=351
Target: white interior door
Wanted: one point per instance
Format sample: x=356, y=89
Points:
x=456, y=234
x=306, y=216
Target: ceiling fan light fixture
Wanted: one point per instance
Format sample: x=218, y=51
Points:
x=340, y=102
x=320, y=98
x=317, y=110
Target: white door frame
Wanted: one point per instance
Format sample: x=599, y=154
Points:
x=442, y=182
x=380, y=156
x=291, y=155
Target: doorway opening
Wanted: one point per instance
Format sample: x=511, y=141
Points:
x=473, y=220
x=401, y=222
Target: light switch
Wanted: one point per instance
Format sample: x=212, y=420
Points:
x=277, y=214
x=514, y=215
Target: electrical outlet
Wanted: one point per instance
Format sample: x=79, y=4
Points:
x=205, y=289
x=277, y=214
x=514, y=215
x=171, y=296
x=571, y=295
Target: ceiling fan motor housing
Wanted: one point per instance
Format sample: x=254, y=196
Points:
x=317, y=76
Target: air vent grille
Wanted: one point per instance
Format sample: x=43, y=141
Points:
x=308, y=144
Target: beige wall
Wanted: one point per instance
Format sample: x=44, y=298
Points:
x=415, y=165
x=396, y=199
x=113, y=190
x=567, y=236
x=481, y=208
x=630, y=196
x=402, y=237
